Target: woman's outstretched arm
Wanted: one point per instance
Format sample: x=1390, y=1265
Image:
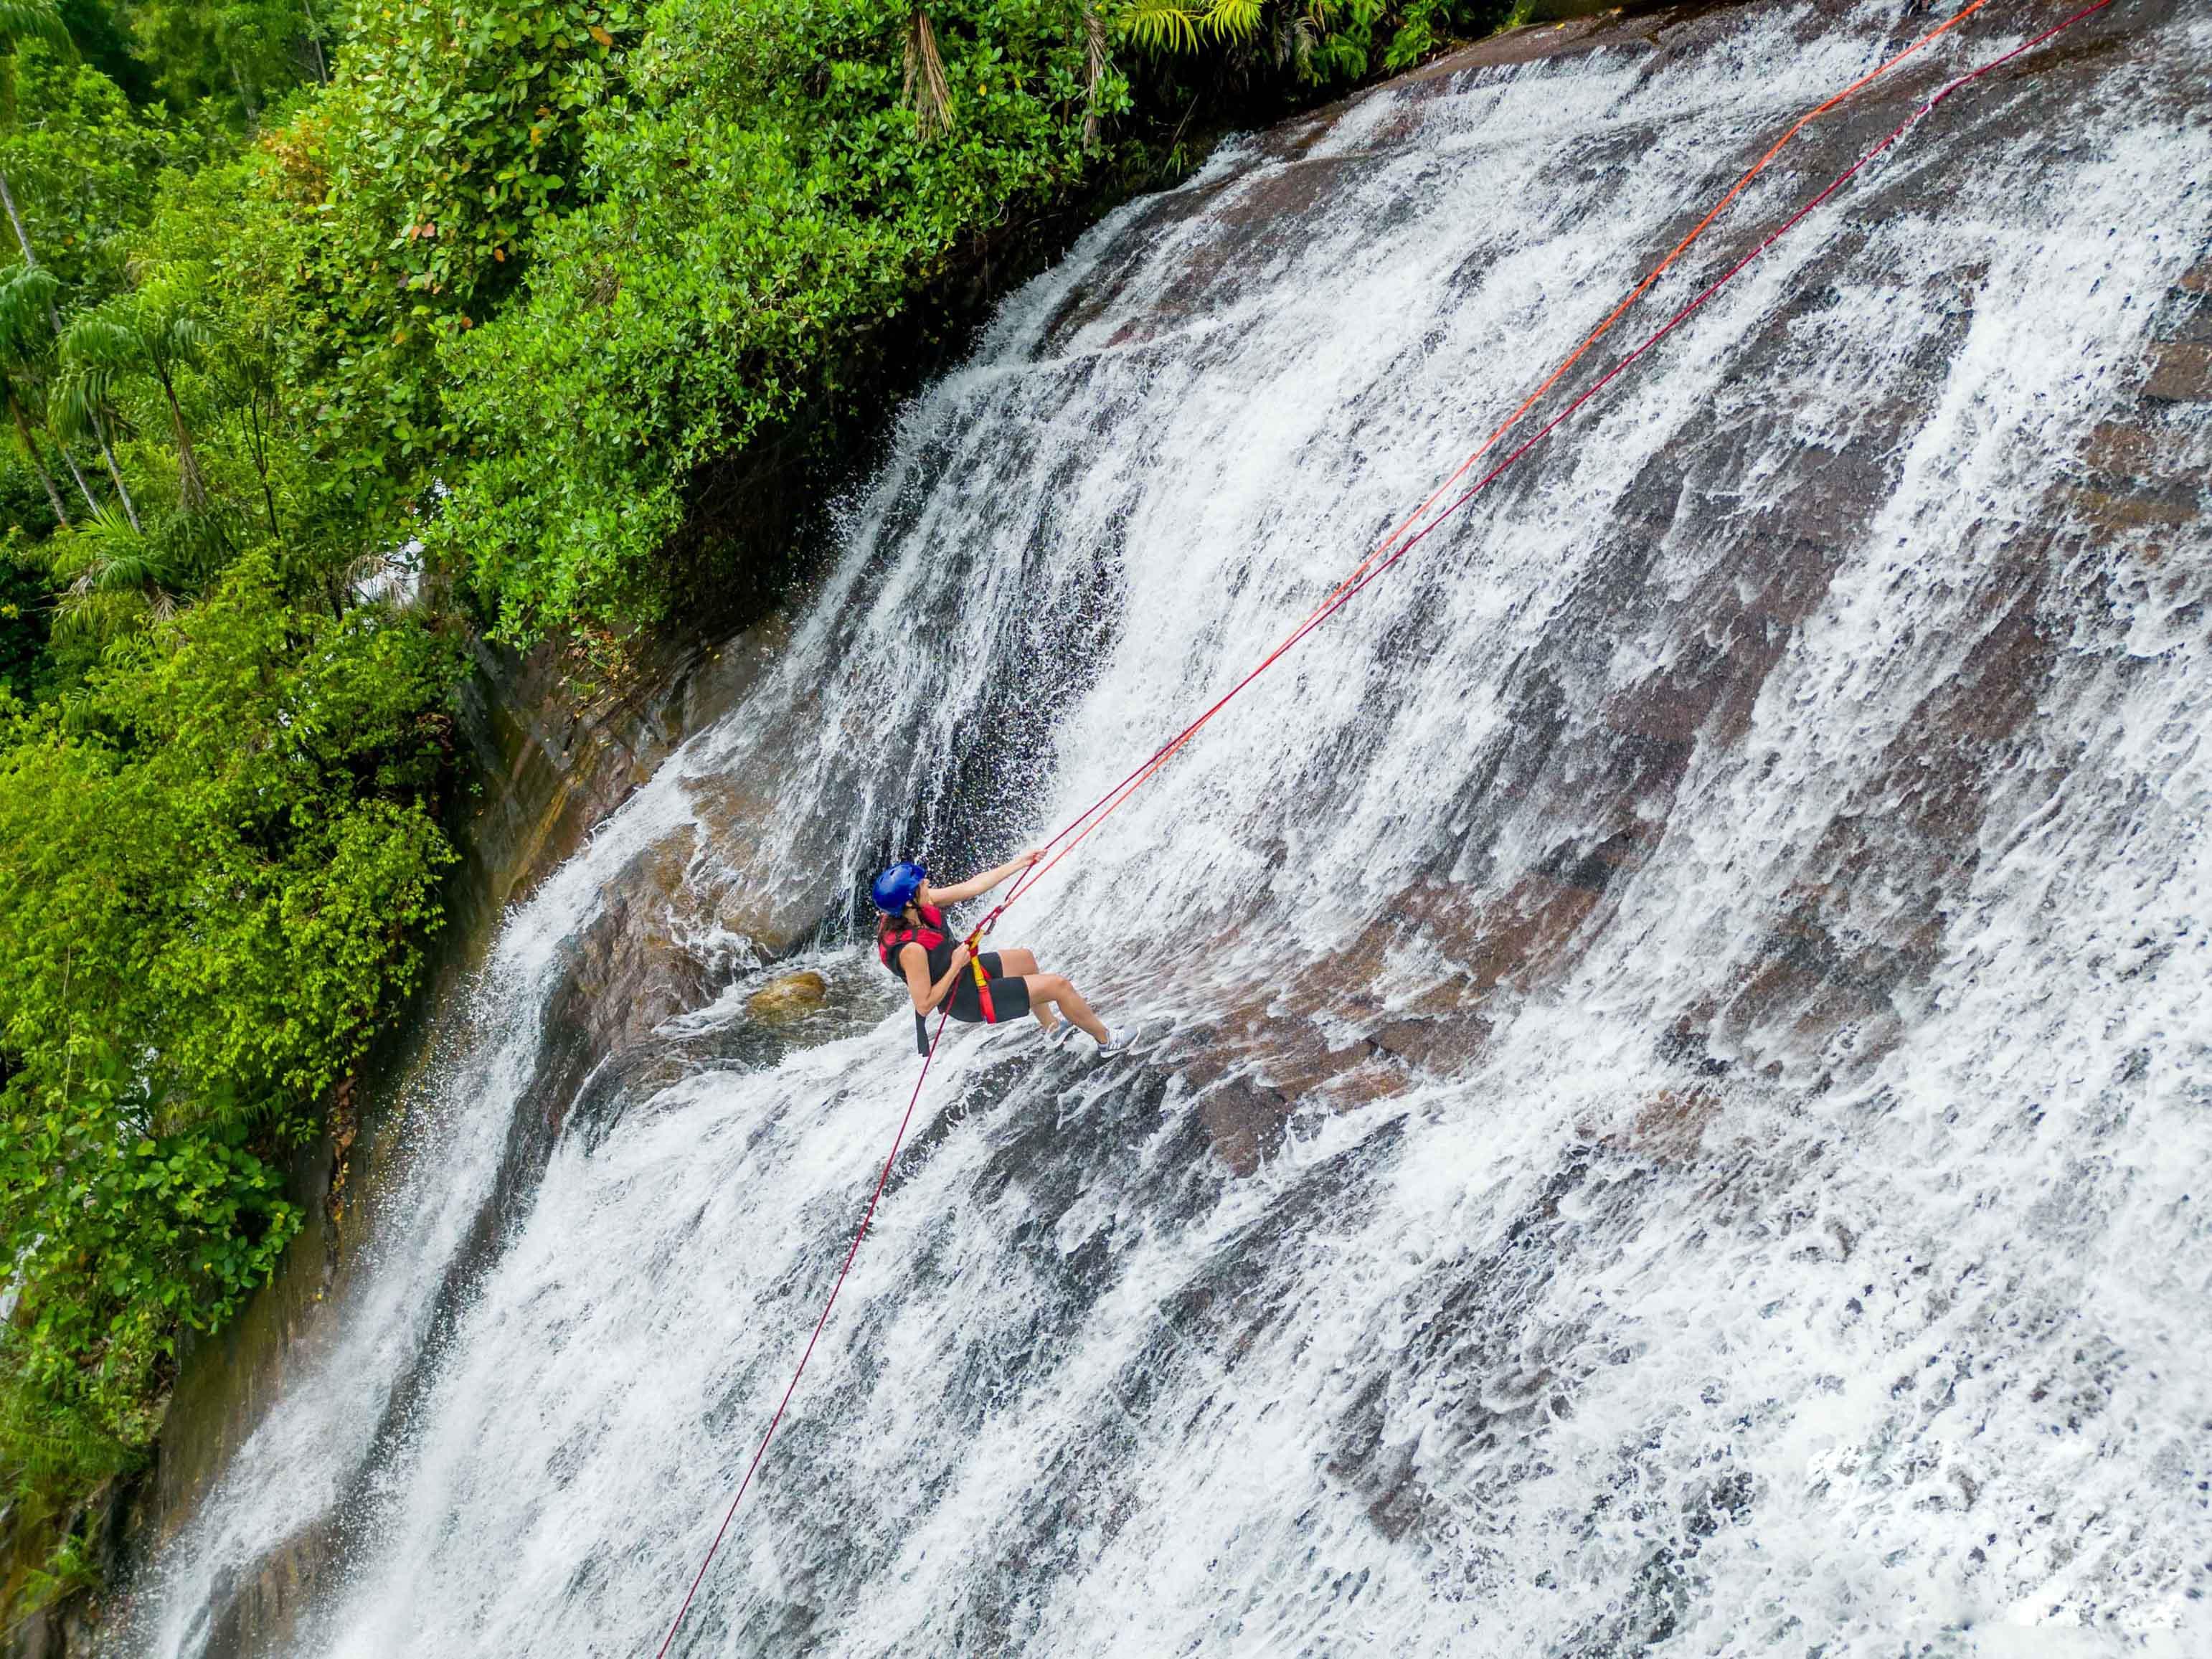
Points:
x=975, y=885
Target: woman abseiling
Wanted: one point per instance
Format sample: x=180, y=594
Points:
x=915, y=943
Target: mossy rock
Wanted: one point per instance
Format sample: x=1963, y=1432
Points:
x=792, y=996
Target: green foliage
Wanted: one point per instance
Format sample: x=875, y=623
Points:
x=764, y=197
x=1169, y=26
x=519, y=271
x=67, y=1570
x=216, y=865
x=1322, y=41
x=240, y=56
x=23, y=598
x=489, y=281
x=457, y=126
x=104, y=41
x=22, y=22
x=152, y=334
x=83, y=165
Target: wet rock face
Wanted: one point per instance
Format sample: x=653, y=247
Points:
x=1705, y=581
x=1583, y=1000
x=656, y=950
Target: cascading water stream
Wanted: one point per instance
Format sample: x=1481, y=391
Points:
x=1672, y=1106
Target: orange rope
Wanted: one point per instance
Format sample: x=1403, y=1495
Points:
x=1644, y=287
x=1080, y=828
x=1369, y=568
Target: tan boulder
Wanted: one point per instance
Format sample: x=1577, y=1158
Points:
x=791, y=996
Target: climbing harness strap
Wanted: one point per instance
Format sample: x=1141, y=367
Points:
x=982, y=980
x=1394, y=549
x=930, y=935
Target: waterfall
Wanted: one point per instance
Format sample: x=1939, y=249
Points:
x=1672, y=1107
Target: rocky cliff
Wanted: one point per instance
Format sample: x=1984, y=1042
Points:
x=1661, y=1031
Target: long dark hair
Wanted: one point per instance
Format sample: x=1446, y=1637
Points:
x=888, y=925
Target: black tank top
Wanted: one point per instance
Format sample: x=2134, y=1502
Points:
x=932, y=936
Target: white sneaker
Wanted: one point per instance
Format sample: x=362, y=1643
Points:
x=1117, y=1041
x=1056, y=1035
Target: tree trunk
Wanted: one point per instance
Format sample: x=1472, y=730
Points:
x=257, y=446
x=245, y=96
x=23, y=240
x=315, y=40
x=22, y=236
x=82, y=488
x=38, y=460
x=99, y=431
x=115, y=472
x=192, y=494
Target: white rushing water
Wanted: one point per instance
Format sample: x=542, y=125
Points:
x=1712, y=950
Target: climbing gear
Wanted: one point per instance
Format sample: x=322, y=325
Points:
x=895, y=889
x=935, y=935
x=932, y=935
x=1385, y=557
x=987, y=994
x=982, y=980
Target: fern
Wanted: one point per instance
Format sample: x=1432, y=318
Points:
x=67, y=1570
x=43, y=1444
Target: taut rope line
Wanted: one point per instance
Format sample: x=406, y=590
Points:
x=1375, y=564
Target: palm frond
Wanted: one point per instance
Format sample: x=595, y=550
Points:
x=1232, y=19
x=100, y=615
x=111, y=572
x=137, y=571
x=1158, y=25
x=25, y=301
x=32, y=19
x=99, y=340
x=80, y=714
x=81, y=398
x=84, y=560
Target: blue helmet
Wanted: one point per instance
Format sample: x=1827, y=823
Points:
x=895, y=889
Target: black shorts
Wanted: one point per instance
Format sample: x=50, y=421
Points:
x=1010, y=998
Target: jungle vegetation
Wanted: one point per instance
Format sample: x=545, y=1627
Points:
x=332, y=339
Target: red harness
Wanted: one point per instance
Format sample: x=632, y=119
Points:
x=933, y=936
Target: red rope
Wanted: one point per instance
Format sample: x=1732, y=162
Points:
x=1369, y=570
x=1374, y=564
x=761, y=1450
x=1573, y=357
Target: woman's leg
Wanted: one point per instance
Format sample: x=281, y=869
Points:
x=1053, y=990
x=1022, y=965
